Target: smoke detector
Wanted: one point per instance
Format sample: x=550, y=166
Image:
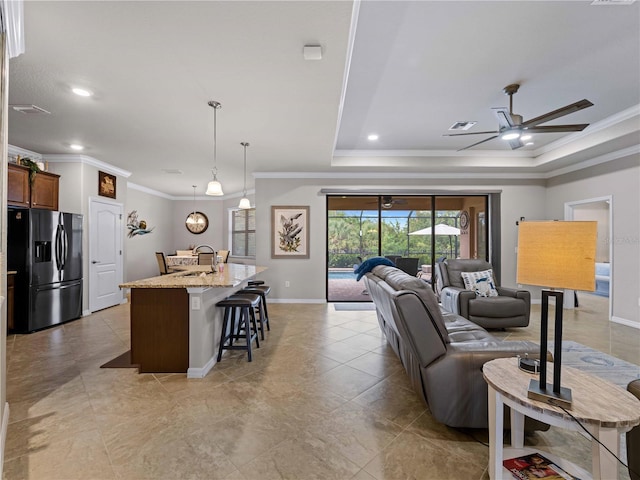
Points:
x=312, y=52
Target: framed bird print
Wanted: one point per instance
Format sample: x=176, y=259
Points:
x=289, y=232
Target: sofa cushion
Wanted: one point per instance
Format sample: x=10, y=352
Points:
x=480, y=282
x=487, y=307
x=399, y=280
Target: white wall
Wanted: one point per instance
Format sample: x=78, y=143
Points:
x=620, y=179
x=213, y=208
x=139, y=251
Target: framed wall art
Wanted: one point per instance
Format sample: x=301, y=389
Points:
x=106, y=185
x=289, y=232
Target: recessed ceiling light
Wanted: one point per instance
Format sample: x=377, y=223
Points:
x=81, y=92
x=372, y=137
x=75, y=146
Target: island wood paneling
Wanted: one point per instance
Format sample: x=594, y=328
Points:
x=160, y=329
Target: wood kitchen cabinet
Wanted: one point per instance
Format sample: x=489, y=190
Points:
x=42, y=193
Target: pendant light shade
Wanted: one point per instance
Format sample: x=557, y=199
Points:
x=214, y=187
x=244, y=201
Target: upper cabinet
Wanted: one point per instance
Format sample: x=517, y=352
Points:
x=42, y=193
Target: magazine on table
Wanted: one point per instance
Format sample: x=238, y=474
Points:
x=535, y=466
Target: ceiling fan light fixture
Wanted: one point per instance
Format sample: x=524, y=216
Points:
x=524, y=138
x=510, y=135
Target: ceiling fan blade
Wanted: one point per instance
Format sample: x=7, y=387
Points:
x=504, y=117
x=469, y=133
x=557, y=128
x=478, y=143
x=574, y=107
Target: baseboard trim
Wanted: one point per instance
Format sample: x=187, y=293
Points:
x=201, y=372
x=3, y=435
x=624, y=321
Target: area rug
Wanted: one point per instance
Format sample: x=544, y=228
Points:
x=354, y=306
x=121, y=361
x=599, y=364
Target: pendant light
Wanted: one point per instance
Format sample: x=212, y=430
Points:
x=193, y=218
x=244, y=201
x=214, y=187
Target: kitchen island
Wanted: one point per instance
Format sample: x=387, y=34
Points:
x=175, y=324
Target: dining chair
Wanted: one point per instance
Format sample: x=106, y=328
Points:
x=224, y=254
x=205, y=258
x=162, y=264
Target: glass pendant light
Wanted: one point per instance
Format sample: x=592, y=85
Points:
x=244, y=201
x=214, y=187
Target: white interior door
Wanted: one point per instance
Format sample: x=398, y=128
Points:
x=105, y=254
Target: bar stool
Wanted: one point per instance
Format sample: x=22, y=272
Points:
x=241, y=307
x=263, y=291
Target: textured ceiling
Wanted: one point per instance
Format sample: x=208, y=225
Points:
x=406, y=72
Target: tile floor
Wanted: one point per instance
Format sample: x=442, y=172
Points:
x=324, y=398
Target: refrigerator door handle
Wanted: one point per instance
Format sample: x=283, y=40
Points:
x=65, y=245
x=58, y=249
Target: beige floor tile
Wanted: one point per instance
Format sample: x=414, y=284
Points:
x=324, y=397
x=412, y=457
x=347, y=382
x=393, y=402
x=76, y=457
x=303, y=457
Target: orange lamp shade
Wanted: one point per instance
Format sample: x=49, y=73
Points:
x=557, y=254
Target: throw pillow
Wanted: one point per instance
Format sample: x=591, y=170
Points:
x=480, y=282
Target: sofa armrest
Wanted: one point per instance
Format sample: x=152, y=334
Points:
x=455, y=387
x=515, y=293
x=456, y=300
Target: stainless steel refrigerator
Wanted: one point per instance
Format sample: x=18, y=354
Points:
x=45, y=249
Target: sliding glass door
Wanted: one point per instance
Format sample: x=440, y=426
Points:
x=414, y=231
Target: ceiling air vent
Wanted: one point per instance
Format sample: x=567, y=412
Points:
x=172, y=171
x=29, y=109
x=462, y=125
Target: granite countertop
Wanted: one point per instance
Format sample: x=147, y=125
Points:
x=199, y=276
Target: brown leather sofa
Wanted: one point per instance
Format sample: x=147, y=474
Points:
x=442, y=353
x=510, y=308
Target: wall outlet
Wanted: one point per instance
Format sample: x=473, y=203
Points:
x=286, y=283
x=195, y=303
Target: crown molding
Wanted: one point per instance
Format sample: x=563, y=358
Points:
x=150, y=191
x=434, y=153
x=86, y=160
x=23, y=152
x=397, y=175
x=607, y=157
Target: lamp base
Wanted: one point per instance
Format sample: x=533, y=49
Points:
x=547, y=395
x=529, y=365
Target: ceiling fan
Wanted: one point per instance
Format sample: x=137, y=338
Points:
x=511, y=127
x=387, y=201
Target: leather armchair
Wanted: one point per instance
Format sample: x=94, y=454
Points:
x=510, y=308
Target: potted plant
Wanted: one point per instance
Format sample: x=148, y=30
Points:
x=33, y=168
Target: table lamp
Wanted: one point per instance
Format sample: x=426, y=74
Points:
x=559, y=255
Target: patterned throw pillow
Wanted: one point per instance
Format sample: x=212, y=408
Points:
x=480, y=282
